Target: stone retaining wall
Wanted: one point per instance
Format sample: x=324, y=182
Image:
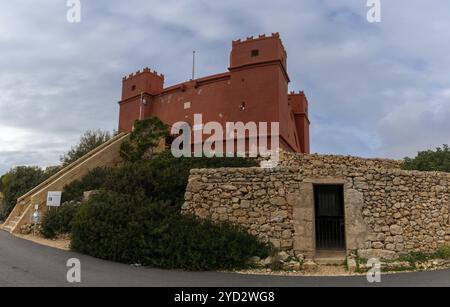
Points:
x=388, y=212
x=326, y=161
x=254, y=198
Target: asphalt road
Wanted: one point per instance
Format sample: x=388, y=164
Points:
x=24, y=263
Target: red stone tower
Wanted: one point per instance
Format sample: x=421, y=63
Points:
x=135, y=88
x=255, y=89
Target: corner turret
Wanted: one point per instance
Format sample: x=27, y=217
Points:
x=147, y=82
x=255, y=50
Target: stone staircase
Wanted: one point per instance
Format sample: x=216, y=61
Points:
x=21, y=208
x=11, y=224
x=107, y=154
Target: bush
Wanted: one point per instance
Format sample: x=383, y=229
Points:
x=136, y=216
x=5, y=181
x=94, y=180
x=58, y=221
x=438, y=160
x=17, y=182
x=165, y=177
x=443, y=253
x=413, y=257
x=144, y=139
x=130, y=229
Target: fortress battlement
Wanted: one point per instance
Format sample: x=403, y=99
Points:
x=145, y=70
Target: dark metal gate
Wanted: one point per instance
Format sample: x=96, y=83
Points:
x=330, y=221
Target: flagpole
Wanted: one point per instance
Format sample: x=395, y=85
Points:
x=193, y=65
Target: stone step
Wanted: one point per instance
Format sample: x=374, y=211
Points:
x=8, y=228
x=329, y=261
x=11, y=224
x=330, y=258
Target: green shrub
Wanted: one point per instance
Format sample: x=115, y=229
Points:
x=58, y=221
x=131, y=229
x=430, y=160
x=5, y=181
x=136, y=216
x=413, y=257
x=165, y=177
x=443, y=253
x=202, y=245
x=144, y=139
x=94, y=180
x=17, y=182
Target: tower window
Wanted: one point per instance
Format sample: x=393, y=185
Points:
x=255, y=53
x=133, y=88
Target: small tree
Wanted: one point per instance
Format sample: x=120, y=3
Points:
x=5, y=181
x=20, y=180
x=88, y=142
x=430, y=160
x=144, y=139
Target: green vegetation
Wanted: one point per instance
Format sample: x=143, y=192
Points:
x=17, y=182
x=22, y=179
x=58, y=221
x=359, y=261
x=430, y=160
x=94, y=180
x=146, y=136
x=164, y=177
x=88, y=142
x=121, y=228
x=5, y=181
x=414, y=257
x=135, y=217
x=443, y=253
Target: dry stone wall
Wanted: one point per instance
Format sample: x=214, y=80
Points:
x=251, y=197
x=389, y=212
x=330, y=161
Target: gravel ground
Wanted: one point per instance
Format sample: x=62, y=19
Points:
x=59, y=243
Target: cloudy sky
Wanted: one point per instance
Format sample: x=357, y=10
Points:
x=378, y=89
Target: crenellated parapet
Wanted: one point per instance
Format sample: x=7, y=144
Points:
x=146, y=81
x=292, y=93
x=144, y=71
x=253, y=38
x=259, y=50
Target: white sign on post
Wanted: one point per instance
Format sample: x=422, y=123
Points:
x=54, y=199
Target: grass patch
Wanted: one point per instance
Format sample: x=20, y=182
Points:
x=443, y=253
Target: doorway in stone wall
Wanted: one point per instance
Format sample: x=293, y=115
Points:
x=329, y=217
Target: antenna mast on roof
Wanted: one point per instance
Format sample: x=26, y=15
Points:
x=193, y=65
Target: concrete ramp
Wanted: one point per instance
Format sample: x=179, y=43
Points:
x=106, y=155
